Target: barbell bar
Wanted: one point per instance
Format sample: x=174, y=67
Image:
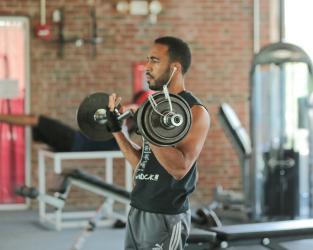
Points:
x=163, y=120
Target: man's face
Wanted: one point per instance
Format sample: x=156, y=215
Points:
x=158, y=67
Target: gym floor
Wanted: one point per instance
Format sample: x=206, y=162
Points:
x=20, y=230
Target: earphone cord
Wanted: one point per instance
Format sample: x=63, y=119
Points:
x=166, y=94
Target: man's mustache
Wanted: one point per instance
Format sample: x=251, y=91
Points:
x=147, y=74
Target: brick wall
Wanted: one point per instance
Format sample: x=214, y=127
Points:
x=220, y=35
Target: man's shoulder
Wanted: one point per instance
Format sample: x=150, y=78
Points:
x=190, y=98
x=193, y=101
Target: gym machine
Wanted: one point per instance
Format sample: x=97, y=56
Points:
x=276, y=165
x=281, y=133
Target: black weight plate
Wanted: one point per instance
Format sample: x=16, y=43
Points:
x=150, y=122
x=165, y=135
x=85, y=117
x=158, y=130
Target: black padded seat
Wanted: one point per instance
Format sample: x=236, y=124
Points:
x=201, y=236
x=234, y=128
x=80, y=175
x=291, y=228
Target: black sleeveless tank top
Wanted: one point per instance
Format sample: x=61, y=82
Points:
x=155, y=189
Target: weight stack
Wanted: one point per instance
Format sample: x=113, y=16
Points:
x=281, y=187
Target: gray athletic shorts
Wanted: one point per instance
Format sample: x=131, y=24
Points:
x=152, y=231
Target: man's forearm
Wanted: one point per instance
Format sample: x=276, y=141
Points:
x=131, y=151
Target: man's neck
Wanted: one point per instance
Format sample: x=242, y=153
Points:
x=177, y=85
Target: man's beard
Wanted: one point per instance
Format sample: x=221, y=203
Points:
x=160, y=82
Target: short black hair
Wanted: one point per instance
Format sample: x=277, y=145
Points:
x=178, y=51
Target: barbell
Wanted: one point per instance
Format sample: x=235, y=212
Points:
x=163, y=120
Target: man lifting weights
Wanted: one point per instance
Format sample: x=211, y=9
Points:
x=159, y=217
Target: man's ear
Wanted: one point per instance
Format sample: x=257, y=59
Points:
x=176, y=67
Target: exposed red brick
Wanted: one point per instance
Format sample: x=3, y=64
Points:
x=220, y=35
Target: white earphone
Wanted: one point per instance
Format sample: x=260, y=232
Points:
x=172, y=74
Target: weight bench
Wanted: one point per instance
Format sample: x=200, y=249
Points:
x=200, y=239
x=96, y=185
x=82, y=178
x=236, y=203
x=58, y=218
x=282, y=235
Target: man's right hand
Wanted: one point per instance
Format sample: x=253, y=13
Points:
x=113, y=124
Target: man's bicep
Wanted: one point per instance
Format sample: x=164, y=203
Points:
x=192, y=144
